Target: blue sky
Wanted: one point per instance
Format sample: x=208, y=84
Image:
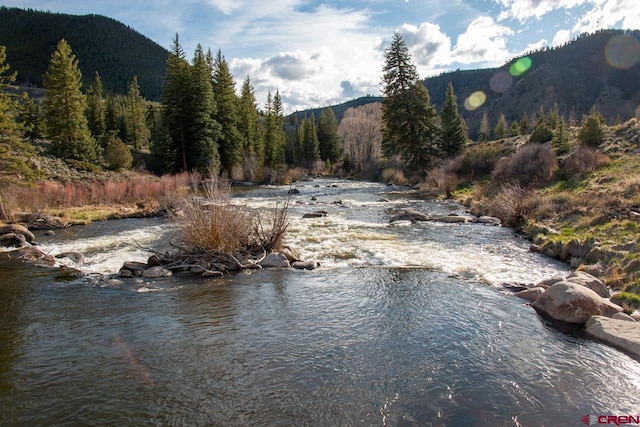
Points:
x=319, y=53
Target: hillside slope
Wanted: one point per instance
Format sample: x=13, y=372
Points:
x=101, y=44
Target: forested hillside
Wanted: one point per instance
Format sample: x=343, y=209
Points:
x=101, y=44
x=576, y=76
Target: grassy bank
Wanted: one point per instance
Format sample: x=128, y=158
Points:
x=579, y=204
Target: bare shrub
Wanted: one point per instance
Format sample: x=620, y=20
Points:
x=443, y=179
x=272, y=238
x=479, y=160
x=510, y=204
x=533, y=164
x=212, y=222
x=582, y=162
x=394, y=176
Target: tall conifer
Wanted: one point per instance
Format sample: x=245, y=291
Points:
x=64, y=105
x=249, y=126
x=410, y=125
x=328, y=136
x=227, y=113
x=453, y=129
x=137, y=130
x=96, y=108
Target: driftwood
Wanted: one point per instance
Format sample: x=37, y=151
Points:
x=207, y=263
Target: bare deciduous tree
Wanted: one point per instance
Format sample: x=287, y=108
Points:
x=360, y=130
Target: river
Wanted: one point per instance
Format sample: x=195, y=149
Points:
x=403, y=325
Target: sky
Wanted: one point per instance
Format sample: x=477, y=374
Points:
x=318, y=53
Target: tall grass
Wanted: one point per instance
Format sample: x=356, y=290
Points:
x=52, y=194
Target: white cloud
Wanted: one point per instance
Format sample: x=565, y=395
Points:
x=523, y=10
x=561, y=37
x=484, y=41
x=609, y=13
x=429, y=46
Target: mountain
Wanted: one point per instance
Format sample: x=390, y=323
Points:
x=101, y=44
x=575, y=76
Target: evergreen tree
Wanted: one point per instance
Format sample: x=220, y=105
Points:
x=137, y=130
x=524, y=124
x=310, y=141
x=328, y=138
x=410, y=127
x=227, y=115
x=64, y=105
x=96, y=108
x=453, y=129
x=514, y=130
x=111, y=116
x=116, y=153
x=593, y=129
x=175, y=114
x=560, y=139
x=501, y=130
x=484, y=134
x=204, y=132
x=31, y=118
x=250, y=127
x=9, y=108
x=274, y=133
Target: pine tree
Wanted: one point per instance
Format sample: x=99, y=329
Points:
x=204, y=132
x=410, y=127
x=501, y=127
x=274, y=133
x=64, y=105
x=250, y=127
x=310, y=141
x=453, y=129
x=137, y=130
x=593, y=129
x=32, y=118
x=560, y=139
x=175, y=114
x=484, y=134
x=9, y=108
x=96, y=108
x=524, y=124
x=328, y=138
x=227, y=114
x=514, y=130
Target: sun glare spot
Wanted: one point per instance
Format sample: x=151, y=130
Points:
x=475, y=100
x=500, y=82
x=622, y=52
x=520, y=67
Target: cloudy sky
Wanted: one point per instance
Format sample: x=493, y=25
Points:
x=319, y=53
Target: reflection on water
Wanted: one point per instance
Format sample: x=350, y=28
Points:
x=358, y=342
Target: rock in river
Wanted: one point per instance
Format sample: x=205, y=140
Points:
x=573, y=303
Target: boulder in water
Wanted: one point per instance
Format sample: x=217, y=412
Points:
x=618, y=333
x=17, y=230
x=305, y=265
x=591, y=282
x=573, y=303
x=530, y=294
x=410, y=215
x=155, y=272
x=275, y=260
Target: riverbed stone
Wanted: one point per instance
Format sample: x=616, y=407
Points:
x=316, y=214
x=591, y=282
x=305, y=265
x=454, y=219
x=18, y=230
x=275, y=260
x=133, y=269
x=155, y=272
x=573, y=303
x=623, y=316
x=489, y=220
x=76, y=257
x=618, y=333
x=531, y=294
x=409, y=215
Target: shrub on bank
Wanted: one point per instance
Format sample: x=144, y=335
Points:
x=532, y=165
x=582, y=162
x=479, y=160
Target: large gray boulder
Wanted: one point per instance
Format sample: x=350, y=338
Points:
x=275, y=260
x=618, y=333
x=531, y=294
x=573, y=303
x=410, y=215
x=17, y=230
x=591, y=282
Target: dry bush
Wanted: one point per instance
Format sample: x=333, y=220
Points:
x=510, y=204
x=582, y=162
x=394, y=176
x=212, y=222
x=533, y=164
x=271, y=238
x=443, y=179
x=479, y=160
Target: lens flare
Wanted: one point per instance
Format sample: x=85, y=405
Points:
x=520, y=67
x=475, y=100
x=500, y=82
x=622, y=52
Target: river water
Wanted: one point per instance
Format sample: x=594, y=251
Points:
x=403, y=325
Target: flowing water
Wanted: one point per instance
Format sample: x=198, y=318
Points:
x=404, y=324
